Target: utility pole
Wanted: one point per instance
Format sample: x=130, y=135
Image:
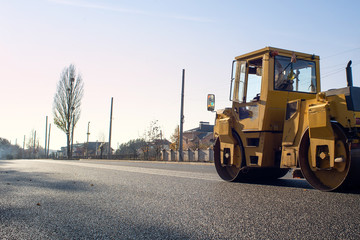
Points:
x=34, y=142
x=23, y=151
x=182, y=117
x=87, y=140
x=48, y=147
x=161, y=139
x=72, y=134
x=46, y=124
x=111, y=111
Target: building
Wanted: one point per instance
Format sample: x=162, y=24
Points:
x=201, y=137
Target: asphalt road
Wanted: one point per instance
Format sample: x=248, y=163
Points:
x=47, y=199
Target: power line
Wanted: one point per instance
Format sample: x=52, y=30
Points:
x=336, y=54
x=333, y=66
x=333, y=72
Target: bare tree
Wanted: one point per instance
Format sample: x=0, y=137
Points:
x=33, y=146
x=153, y=138
x=67, y=102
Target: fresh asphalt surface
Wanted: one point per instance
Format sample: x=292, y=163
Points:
x=48, y=199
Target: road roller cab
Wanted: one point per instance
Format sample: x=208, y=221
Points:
x=280, y=119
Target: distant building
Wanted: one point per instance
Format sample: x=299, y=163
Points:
x=199, y=138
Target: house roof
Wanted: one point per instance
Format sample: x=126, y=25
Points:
x=204, y=127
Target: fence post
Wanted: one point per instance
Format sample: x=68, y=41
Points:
x=185, y=156
x=211, y=155
x=173, y=155
x=190, y=155
x=164, y=155
x=202, y=155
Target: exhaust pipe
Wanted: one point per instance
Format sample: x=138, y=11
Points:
x=349, y=74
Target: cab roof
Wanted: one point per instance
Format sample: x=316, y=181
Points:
x=280, y=52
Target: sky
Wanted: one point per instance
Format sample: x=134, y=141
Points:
x=134, y=51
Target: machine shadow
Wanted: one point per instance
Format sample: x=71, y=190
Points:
x=290, y=183
x=296, y=183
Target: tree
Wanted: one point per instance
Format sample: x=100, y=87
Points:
x=153, y=138
x=131, y=148
x=175, y=139
x=67, y=102
x=33, y=146
x=9, y=151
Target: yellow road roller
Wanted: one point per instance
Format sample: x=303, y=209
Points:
x=281, y=120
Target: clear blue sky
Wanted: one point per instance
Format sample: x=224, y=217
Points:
x=135, y=51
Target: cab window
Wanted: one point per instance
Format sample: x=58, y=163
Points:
x=238, y=82
x=246, y=85
x=254, y=80
x=291, y=74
